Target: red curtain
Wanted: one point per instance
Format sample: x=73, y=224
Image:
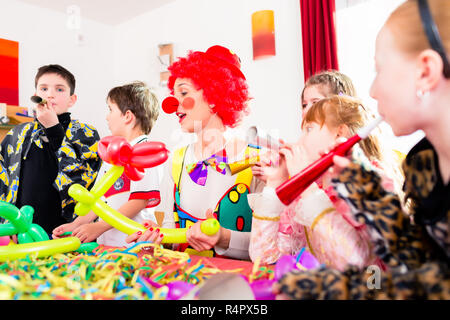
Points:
x=318, y=36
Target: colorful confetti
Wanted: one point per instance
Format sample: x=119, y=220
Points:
x=141, y=272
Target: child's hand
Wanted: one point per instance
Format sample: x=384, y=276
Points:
x=296, y=158
x=88, y=232
x=274, y=167
x=152, y=234
x=200, y=241
x=258, y=172
x=339, y=163
x=58, y=231
x=46, y=115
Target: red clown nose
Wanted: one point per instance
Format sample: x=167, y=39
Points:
x=170, y=104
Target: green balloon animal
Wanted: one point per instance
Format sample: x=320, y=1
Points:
x=21, y=223
x=32, y=238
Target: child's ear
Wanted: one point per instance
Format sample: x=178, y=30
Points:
x=342, y=131
x=429, y=70
x=73, y=99
x=129, y=116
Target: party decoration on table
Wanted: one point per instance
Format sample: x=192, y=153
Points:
x=292, y=188
x=304, y=260
x=142, y=272
x=39, y=249
x=90, y=200
x=20, y=223
x=32, y=238
x=222, y=286
x=132, y=160
x=4, y=240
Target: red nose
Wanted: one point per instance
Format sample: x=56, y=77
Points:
x=170, y=105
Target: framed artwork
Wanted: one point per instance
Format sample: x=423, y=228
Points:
x=263, y=34
x=9, y=72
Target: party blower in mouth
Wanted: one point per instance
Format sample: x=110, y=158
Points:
x=292, y=188
x=38, y=100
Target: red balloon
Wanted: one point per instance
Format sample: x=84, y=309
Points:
x=152, y=160
x=102, y=146
x=118, y=152
x=143, y=149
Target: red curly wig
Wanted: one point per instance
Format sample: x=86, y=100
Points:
x=218, y=73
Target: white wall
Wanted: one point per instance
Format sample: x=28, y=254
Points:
x=358, y=23
x=275, y=83
x=44, y=39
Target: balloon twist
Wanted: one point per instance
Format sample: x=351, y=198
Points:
x=117, y=151
x=87, y=200
x=130, y=160
x=32, y=237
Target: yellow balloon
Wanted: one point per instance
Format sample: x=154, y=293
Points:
x=106, y=181
x=90, y=200
x=129, y=226
x=41, y=248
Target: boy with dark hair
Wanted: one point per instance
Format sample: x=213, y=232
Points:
x=133, y=109
x=41, y=159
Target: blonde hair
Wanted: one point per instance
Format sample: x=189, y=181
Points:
x=331, y=82
x=407, y=29
x=336, y=111
x=344, y=110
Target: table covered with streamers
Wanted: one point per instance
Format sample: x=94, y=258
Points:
x=141, y=272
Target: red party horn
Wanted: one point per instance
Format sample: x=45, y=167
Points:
x=292, y=188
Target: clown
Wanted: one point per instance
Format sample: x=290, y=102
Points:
x=210, y=94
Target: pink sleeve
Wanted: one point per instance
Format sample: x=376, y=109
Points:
x=338, y=241
x=272, y=234
x=263, y=241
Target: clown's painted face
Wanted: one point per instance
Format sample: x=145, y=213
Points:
x=193, y=112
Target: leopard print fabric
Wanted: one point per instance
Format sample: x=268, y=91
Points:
x=429, y=281
x=417, y=267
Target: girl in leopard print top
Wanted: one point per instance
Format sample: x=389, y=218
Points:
x=412, y=88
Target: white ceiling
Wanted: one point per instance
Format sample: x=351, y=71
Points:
x=109, y=12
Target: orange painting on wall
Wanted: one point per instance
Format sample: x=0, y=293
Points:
x=9, y=72
x=263, y=34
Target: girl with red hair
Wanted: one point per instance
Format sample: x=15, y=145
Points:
x=210, y=94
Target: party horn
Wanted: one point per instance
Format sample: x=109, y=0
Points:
x=292, y=188
x=38, y=100
x=256, y=137
x=238, y=166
